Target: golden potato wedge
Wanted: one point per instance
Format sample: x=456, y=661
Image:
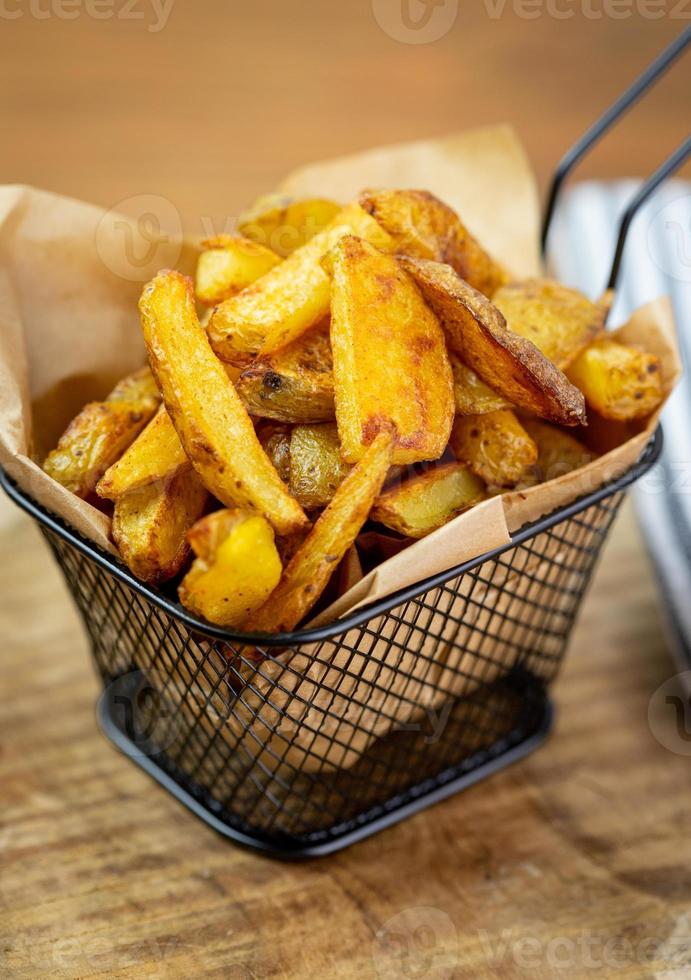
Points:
x=236, y=569
x=495, y=446
x=102, y=431
x=312, y=565
x=294, y=384
x=284, y=224
x=275, y=440
x=289, y=299
x=316, y=467
x=424, y=227
x=558, y=452
x=620, y=382
x=511, y=365
x=150, y=525
x=390, y=362
x=471, y=395
x=425, y=502
x=156, y=454
x=228, y=264
x=214, y=428
x=560, y=321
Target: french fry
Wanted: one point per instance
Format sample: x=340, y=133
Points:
x=620, y=382
x=228, y=264
x=289, y=299
x=101, y=432
x=424, y=227
x=284, y=224
x=213, y=426
x=236, y=569
x=294, y=384
x=495, y=446
x=390, y=362
x=150, y=525
x=471, y=395
x=511, y=365
x=557, y=452
x=312, y=565
x=316, y=467
x=275, y=441
x=425, y=502
x=560, y=321
x=156, y=454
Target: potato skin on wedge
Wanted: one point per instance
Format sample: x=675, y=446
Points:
x=284, y=224
x=214, y=428
x=101, y=432
x=316, y=467
x=309, y=570
x=228, y=264
x=237, y=567
x=495, y=446
x=511, y=365
x=391, y=368
x=150, y=525
x=156, y=454
x=428, y=501
x=557, y=452
x=619, y=382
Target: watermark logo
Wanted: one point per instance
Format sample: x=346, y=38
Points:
x=669, y=714
x=669, y=238
x=152, y=13
x=135, y=248
x=420, y=943
x=147, y=719
x=415, y=21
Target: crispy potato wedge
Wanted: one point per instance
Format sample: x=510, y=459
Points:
x=150, y=525
x=236, y=569
x=471, y=395
x=511, y=365
x=495, y=446
x=228, y=264
x=425, y=502
x=558, y=452
x=620, y=382
x=424, y=227
x=289, y=299
x=102, y=431
x=156, y=454
x=316, y=467
x=294, y=384
x=390, y=362
x=560, y=321
x=284, y=224
x=312, y=565
x=214, y=428
x=275, y=440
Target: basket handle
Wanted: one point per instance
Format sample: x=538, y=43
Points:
x=601, y=126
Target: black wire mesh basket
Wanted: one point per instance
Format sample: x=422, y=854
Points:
x=343, y=729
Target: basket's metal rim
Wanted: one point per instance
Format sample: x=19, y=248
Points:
x=337, y=627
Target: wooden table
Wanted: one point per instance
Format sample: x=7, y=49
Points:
x=577, y=857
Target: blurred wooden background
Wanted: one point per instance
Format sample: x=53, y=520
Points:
x=102, y=873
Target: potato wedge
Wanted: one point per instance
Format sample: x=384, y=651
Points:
x=620, y=382
x=214, y=428
x=236, y=569
x=560, y=321
x=511, y=365
x=557, y=452
x=316, y=467
x=150, y=525
x=294, y=384
x=289, y=299
x=471, y=395
x=312, y=565
x=275, y=440
x=284, y=224
x=425, y=502
x=228, y=264
x=102, y=431
x=424, y=227
x=495, y=446
x=390, y=362
x=156, y=454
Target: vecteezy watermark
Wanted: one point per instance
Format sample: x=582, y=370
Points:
x=155, y=13
x=420, y=942
x=135, y=248
x=589, y=9
x=141, y=713
x=669, y=713
x=669, y=238
x=415, y=21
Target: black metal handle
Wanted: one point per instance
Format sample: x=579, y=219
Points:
x=654, y=71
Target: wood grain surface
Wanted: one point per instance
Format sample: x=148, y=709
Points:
x=576, y=860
